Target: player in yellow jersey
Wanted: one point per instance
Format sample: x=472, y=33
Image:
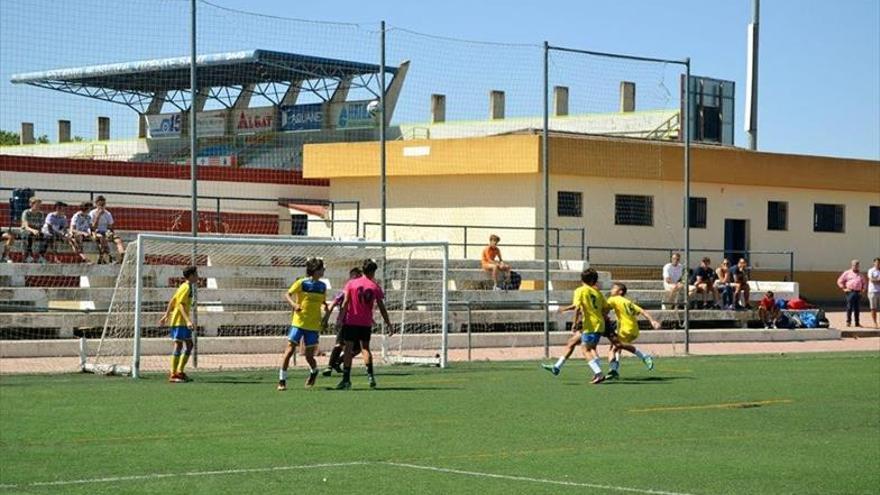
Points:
x=591, y=305
x=307, y=296
x=627, y=313
x=177, y=317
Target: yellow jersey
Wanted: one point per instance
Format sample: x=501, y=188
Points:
x=182, y=300
x=310, y=295
x=593, y=307
x=627, y=313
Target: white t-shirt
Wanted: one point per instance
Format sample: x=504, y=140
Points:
x=672, y=272
x=873, y=287
x=104, y=223
x=55, y=224
x=81, y=222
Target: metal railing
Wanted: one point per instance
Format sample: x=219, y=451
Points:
x=580, y=246
x=748, y=254
x=218, y=204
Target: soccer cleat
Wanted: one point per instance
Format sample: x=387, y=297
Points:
x=310, y=381
x=282, y=385
x=175, y=378
x=327, y=372
x=343, y=385
x=649, y=362
x=372, y=381
x=597, y=379
x=551, y=368
x=184, y=377
x=612, y=375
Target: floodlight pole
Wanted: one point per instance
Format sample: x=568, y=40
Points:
x=382, y=171
x=193, y=171
x=687, y=203
x=545, y=175
x=752, y=78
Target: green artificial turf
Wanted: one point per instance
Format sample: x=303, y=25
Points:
x=711, y=425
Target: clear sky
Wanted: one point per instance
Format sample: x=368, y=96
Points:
x=819, y=60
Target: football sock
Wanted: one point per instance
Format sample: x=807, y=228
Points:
x=346, y=374
x=640, y=354
x=174, y=359
x=334, y=356
x=614, y=365
x=559, y=363
x=594, y=365
x=183, y=360
x=282, y=375
x=370, y=368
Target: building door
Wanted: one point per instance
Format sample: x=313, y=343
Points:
x=736, y=239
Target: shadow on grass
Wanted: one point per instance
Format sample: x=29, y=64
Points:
x=648, y=380
x=391, y=389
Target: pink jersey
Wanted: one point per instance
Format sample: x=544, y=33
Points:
x=362, y=293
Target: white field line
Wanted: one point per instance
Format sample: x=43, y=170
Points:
x=223, y=472
x=533, y=480
x=158, y=476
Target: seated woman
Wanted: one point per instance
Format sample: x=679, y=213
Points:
x=492, y=262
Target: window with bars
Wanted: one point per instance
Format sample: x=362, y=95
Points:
x=569, y=204
x=697, y=213
x=874, y=216
x=828, y=218
x=630, y=209
x=777, y=215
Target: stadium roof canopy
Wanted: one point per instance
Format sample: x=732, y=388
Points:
x=221, y=77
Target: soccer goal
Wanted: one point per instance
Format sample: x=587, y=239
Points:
x=239, y=307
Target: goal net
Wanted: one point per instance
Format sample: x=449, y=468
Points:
x=239, y=308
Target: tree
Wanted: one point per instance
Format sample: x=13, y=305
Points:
x=8, y=138
x=44, y=139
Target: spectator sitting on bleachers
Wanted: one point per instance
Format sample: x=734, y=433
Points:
x=768, y=311
x=703, y=284
x=54, y=229
x=740, y=276
x=491, y=262
x=31, y=222
x=724, y=284
x=80, y=229
x=672, y=284
x=102, y=231
x=8, y=239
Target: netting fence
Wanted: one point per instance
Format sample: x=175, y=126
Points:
x=289, y=116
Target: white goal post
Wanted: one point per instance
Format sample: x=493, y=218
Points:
x=239, y=308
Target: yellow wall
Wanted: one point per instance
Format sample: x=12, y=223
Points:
x=470, y=156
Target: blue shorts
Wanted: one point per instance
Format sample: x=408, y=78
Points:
x=181, y=333
x=309, y=337
x=590, y=339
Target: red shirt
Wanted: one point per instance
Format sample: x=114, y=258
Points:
x=767, y=303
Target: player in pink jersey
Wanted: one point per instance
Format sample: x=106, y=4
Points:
x=357, y=306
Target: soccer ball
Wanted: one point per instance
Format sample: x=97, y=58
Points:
x=373, y=108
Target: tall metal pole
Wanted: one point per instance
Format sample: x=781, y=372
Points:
x=193, y=171
x=752, y=78
x=545, y=172
x=382, y=178
x=687, y=203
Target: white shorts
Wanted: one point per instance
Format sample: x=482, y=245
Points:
x=874, y=300
x=668, y=287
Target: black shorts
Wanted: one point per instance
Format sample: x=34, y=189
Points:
x=340, y=339
x=356, y=333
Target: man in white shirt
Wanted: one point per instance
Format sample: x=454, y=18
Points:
x=102, y=230
x=874, y=290
x=672, y=283
x=54, y=229
x=81, y=230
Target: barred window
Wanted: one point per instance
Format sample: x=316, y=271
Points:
x=697, y=213
x=569, y=204
x=828, y=218
x=874, y=216
x=777, y=215
x=631, y=209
